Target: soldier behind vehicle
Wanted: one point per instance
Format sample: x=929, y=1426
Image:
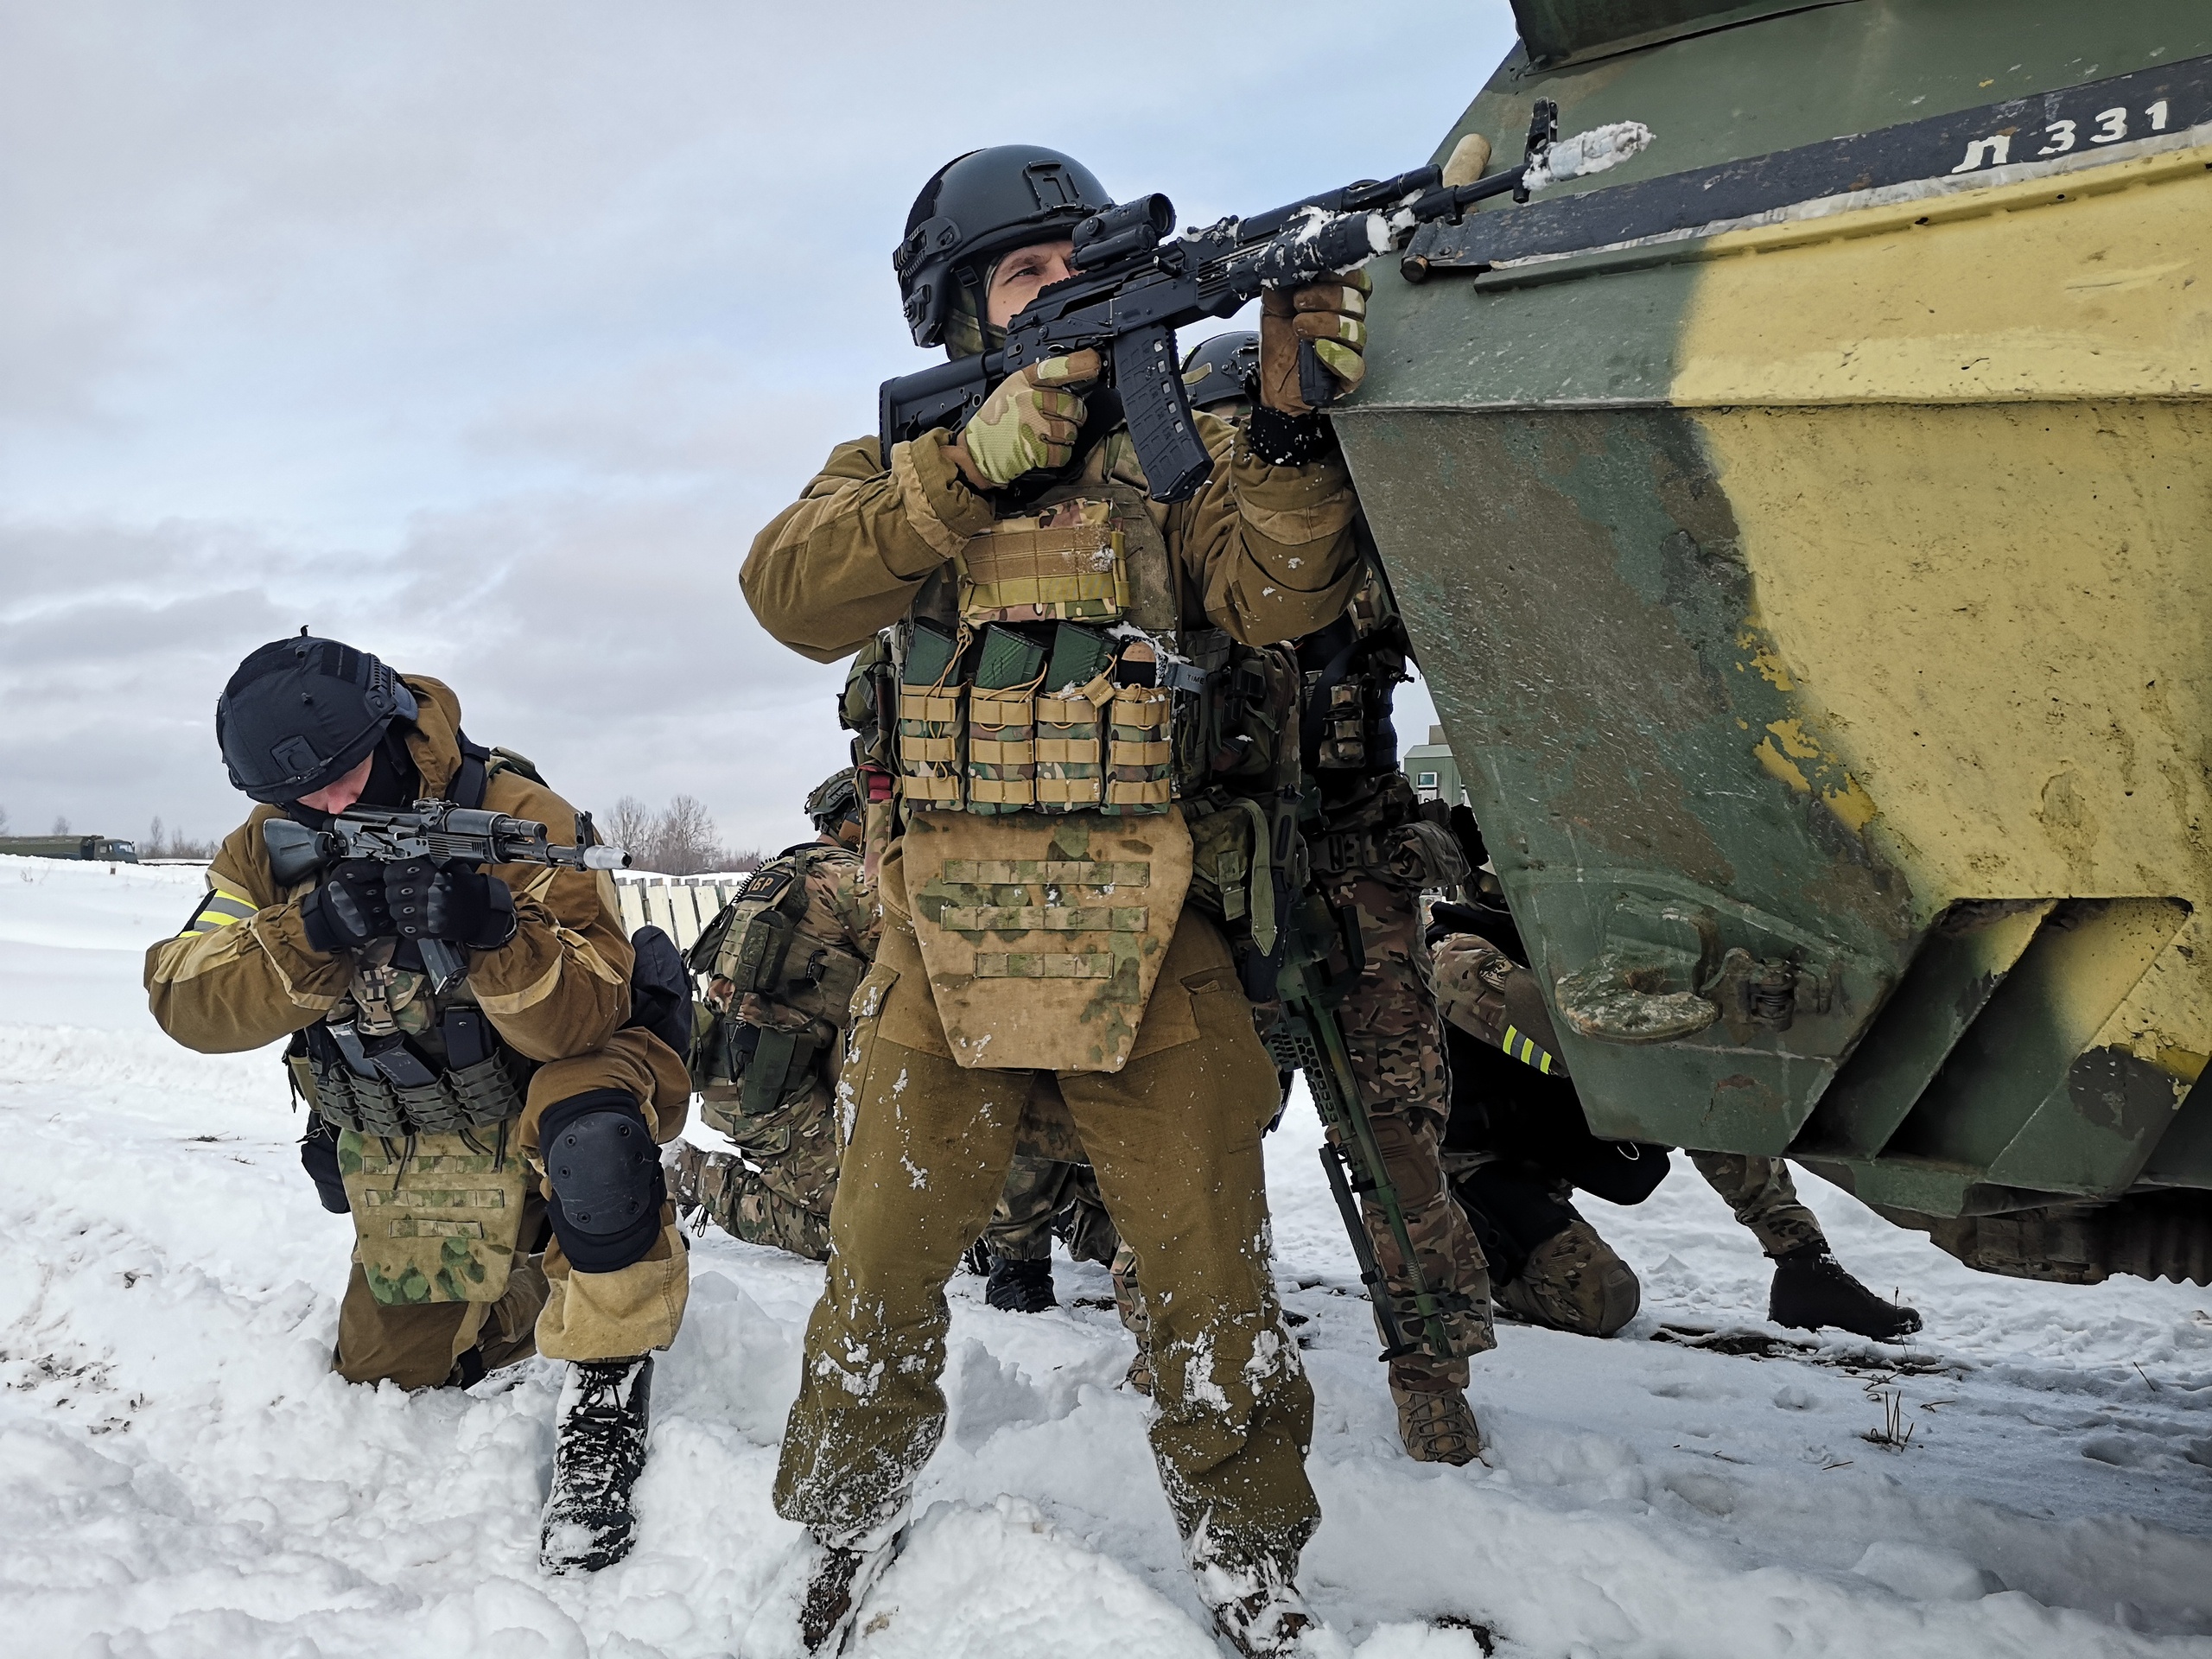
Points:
x=1054, y=628
x=1372, y=853
x=498, y=1146
x=785, y=957
x=1519, y=1147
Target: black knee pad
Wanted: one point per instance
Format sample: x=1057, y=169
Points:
x=605, y=1172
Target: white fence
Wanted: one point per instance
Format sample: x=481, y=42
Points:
x=680, y=905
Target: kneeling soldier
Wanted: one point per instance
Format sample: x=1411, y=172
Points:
x=475, y=1115
x=785, y=957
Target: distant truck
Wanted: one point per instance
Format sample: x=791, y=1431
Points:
x=94, y=848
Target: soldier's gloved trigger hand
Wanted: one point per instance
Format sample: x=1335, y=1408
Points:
x=1029, y=424
x=1333, y=315
x=348, y=909
x=456, y=903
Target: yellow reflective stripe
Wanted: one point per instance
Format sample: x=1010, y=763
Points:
x=1524, y=1049
x=220, y=908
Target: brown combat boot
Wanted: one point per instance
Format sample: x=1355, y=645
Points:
x=1138, y=1376
x=1437, y=1425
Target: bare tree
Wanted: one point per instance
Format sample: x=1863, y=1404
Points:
x=61, y=825
x=630, y=826
x=163, y=842
x=685, y=838
x=3, y=820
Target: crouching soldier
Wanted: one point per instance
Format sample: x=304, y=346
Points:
x=1521, y=1148
x=785, y=957
x=476, y=1117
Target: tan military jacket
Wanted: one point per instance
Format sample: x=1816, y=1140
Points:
x=243, y=973
x=1266, y=552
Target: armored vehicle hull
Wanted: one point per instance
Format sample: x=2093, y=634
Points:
x=1806, y=531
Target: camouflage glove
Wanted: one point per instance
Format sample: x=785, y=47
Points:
x=1029, y=424
x=1333, y=315
x=455, y=903
x=348, y=909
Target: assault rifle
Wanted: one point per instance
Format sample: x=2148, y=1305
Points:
x=437, y=830
x=1136, y=286
x=1307, y=1038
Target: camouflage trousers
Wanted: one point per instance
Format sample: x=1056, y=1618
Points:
x=1764, y=1198
x=1574, y=1281
x=780, y=1190
x=1042, y=1191
x=1392, y=1028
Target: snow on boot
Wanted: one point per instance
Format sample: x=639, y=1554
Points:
x=1437, y=1426
x=1018, y=1287
x=598, y=1450
x=1262, y=1615
x=838, y=1579
x=1811, y=1289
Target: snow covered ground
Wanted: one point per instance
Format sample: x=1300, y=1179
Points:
x=181, y=1475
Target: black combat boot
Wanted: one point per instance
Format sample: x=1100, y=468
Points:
x=598, y=1450
x=1811, y=1289
x=1019, y=1287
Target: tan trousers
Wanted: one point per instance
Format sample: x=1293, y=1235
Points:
x=1174, y=1137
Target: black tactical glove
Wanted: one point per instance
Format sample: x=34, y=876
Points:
x=1445, y=918
x=348, y=909
x=456, y=903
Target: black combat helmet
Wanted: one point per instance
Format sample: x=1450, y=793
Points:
x=1223, y=369
x=300, y=713
x=975, y=207
x=835, y=800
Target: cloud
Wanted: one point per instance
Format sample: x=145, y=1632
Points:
x=486, y=336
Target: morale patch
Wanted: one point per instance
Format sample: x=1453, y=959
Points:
x=767, y=884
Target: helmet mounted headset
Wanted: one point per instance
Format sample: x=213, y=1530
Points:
x=299, y=714
x=974, y=209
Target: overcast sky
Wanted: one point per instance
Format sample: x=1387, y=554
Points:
x=485, y=335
